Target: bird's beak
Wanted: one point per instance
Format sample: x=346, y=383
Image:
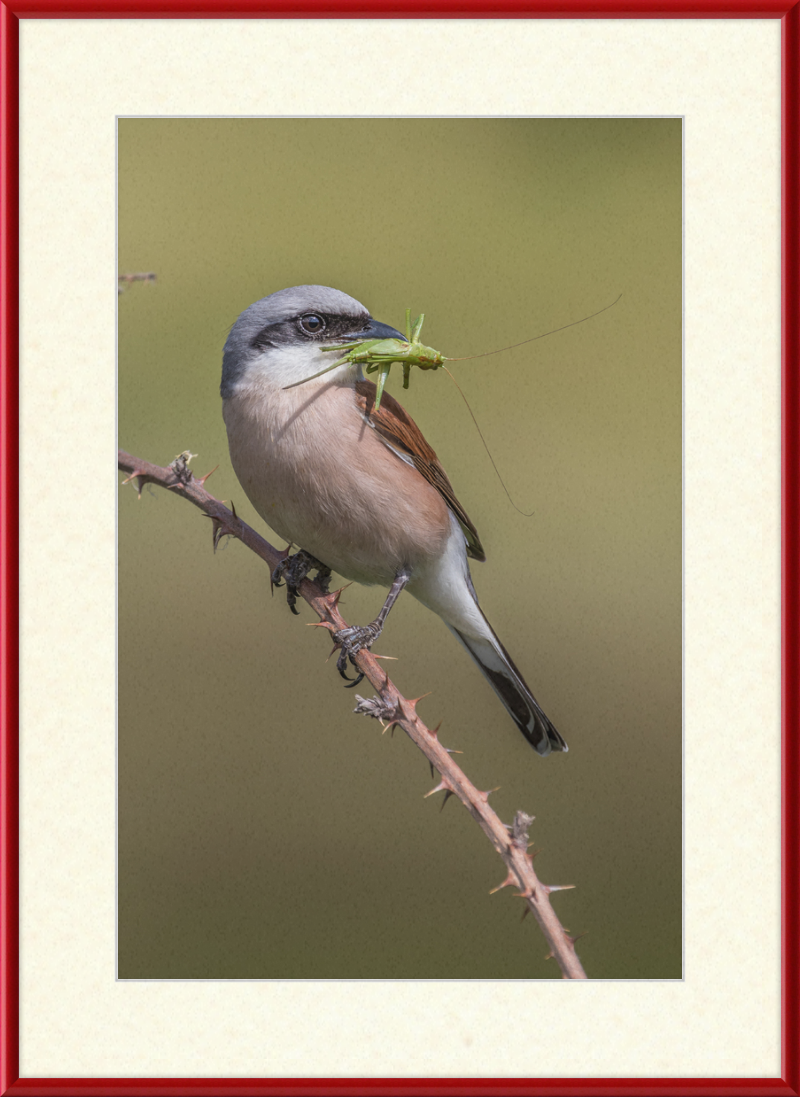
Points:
x=374, y=330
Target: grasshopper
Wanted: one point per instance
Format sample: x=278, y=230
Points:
x=379, y=355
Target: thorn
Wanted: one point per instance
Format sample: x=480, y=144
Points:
x=444, y=785
x=219, y=529
x=233, y=511
x=525, y=914
x=394, y=657
x=571, y=940
x=452, y=750
x=558, y=887
x=434, y=732
x=485, y=795
x=447, y=795
x=414, y=701
x=203, y=479
x=134, y=476
x=334, y=595
x=510, y=879
x=431, y=765
x=525, y=894
x=321, y=624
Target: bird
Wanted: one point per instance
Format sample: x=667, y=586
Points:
x=360, y=492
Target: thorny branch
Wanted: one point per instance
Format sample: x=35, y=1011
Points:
x=511, y=842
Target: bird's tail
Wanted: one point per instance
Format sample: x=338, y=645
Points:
x=509, y=685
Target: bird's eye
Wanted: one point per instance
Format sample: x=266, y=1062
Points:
x=312, y=324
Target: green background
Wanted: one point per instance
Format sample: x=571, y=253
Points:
x=264, y=830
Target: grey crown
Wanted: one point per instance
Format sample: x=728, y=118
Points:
x=241, y=346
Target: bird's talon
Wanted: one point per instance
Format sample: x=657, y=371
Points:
x=357, y=637
x=341, y=666
x=351, y=641
x=294, y=569
x=323, y=579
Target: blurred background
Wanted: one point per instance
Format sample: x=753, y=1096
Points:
x=267, y=832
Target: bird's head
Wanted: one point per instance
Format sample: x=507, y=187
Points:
x=279, y=340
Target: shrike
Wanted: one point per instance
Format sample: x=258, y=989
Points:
x=360, y=492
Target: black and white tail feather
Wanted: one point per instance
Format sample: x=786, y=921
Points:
x=500, y=671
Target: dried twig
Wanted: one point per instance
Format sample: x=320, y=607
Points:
x=124, y=280
x=389, y=706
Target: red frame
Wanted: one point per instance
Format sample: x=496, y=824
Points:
x=10, y=13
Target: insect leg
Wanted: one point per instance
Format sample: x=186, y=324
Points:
x=384, y=373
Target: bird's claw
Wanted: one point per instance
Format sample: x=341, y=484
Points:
x=294, y=569
x=352, y=640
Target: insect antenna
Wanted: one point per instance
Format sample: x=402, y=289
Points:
x=563, y=327
x=526, y=513
x=313, y=376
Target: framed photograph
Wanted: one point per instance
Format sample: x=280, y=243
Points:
x=229, y=878
x=492, y=193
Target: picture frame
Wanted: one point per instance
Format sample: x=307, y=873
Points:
x=789, y=1079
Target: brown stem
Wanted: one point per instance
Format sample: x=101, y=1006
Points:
x=510, y=842
x=126, y=279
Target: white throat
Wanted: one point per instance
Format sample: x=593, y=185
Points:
x=279, y=367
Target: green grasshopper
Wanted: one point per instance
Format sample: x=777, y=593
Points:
x=379, y=355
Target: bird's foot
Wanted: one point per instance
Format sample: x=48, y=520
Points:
x=294, y=569
x=351, y=641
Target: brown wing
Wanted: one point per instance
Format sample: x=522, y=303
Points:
x=396, y=427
